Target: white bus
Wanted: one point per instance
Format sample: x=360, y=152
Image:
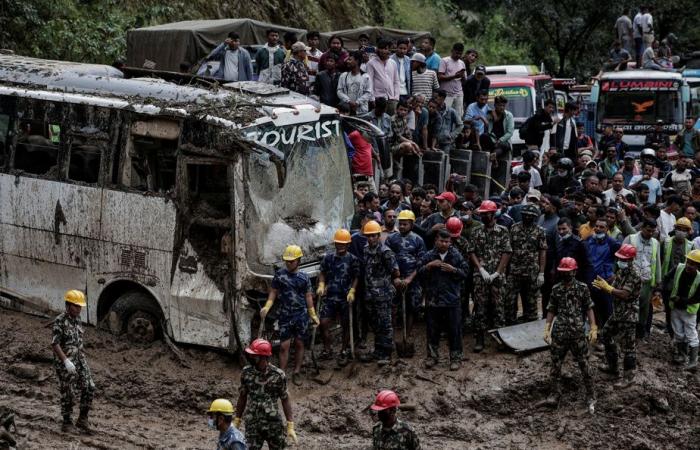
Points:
x=169, y=205
x=635, y=99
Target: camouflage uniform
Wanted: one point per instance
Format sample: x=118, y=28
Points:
x=262, y=418
x=68, y=333
x=489, y=245
x=567, y=303
x=462, y=245
x=295, y=76
x=409, y=249
x=527, y=242
x=339, y=273
x=622, y=323
x=293, y=317
x=378, y=263
x=443, y=295
x=399, y=437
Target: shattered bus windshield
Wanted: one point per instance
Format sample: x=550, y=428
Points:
x=296, y=200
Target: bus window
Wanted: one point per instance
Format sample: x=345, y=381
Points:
x=84, y=162
x=209, y=189
x=153, y=164
x=4, y=138
x=37, y=148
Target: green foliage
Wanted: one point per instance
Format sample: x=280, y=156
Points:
x=426, y=15
x=497, y=44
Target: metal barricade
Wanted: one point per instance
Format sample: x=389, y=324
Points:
x=432, y=168
x=460, y=162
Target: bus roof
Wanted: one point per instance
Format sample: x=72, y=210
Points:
x=641, y=74
x=512, y=81
x=512, y=70
x=240, y=103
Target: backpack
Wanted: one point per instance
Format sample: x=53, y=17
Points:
x=523, y=128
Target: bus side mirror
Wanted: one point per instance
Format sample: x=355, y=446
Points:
x=685, y=94
x=595, y=91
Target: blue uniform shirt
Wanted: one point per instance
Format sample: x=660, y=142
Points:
x=292, y=289
x=231, y=439
x=444, y=288
x=602, y=256
x=409, y=249
x=339, y=271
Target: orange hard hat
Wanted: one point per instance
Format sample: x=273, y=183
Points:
x=385, y=400
x=371, y=227
x=454, y=226
x=342, y=236
x=567, y=265
x=259, y=347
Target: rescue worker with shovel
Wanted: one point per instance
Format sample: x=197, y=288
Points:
x=391, y=433
x=568, y=299
x=337, y=282
x=444, y=270
x=381, y=276
x=293, y=288
x=262, y=384
x=622, y=325
x=70, y=362
x=409, y=248
x=489, y=252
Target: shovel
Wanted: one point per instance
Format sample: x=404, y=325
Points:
x=319, y=378
x=351, y=369
x=404, y=349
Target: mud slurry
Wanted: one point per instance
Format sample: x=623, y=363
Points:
x=146, y=399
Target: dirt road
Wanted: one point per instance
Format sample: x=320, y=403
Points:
x=146, y=399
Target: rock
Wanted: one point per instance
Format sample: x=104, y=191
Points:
x=660, y=404
x=25, y=371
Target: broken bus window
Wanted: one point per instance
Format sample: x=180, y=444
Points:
x=4, y=138
x=37, y=148
x=84, y=162
x=153, y=164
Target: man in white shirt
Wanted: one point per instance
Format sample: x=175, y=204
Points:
x=384, y=76
x=403, y=65
x=618, y=188
x=354, y=87
x=450, y=74
x=529, y=160
x=313, y=55
x=667, y=219
x=638, y=39
x=647, y=23
x=647, y=177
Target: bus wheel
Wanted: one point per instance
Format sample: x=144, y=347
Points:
x=136, y=314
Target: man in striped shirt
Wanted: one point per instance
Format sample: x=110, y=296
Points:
x=424, y=80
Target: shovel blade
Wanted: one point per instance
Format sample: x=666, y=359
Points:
x=405, y=349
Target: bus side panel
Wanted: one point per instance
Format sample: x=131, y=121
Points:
x=53, y=226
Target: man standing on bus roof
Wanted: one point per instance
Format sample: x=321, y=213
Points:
x=688, y=139
x=70, y=362
x=262, y=384
x=297, y=305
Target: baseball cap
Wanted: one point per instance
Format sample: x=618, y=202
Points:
x=480, y=68
x=629, y=157
x=447, y=195
x=299, y=46
x=418, y=57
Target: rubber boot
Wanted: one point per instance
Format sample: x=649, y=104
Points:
x=479, y=345
x=82, y=422
x=692, y=360
x=67, y=425
x=611, y=367
x=681, y=353
x=630, y=364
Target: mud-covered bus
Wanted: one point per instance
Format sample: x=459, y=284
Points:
x=635, y=99
x=169, y=205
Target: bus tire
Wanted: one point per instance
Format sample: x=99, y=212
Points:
x=137, y=315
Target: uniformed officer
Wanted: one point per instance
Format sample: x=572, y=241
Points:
x=293, y=288
x=262, y=384
x=70, y=362
x=569, y=298
x=444, y=269
x=409, y=248
x=526, y=272
x=489, y=252
x=219, y=417
x=379, y=268
x=622, y=325
x=337, y=282
x=391, y=433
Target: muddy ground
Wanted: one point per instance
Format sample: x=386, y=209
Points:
x=146, y=399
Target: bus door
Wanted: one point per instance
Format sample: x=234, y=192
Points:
x=51, y=200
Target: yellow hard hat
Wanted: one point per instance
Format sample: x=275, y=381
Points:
x=292, y=252
x=75, y=297
x=221, y=405
x=342, y=236
x=684, y=222
x=407, y=214
x=694, y=255
x=371, y=227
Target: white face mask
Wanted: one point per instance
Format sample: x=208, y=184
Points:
x=562, y=173
x=210, y=423
x=600, y=235
x=622, y=264
x=565, y=236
